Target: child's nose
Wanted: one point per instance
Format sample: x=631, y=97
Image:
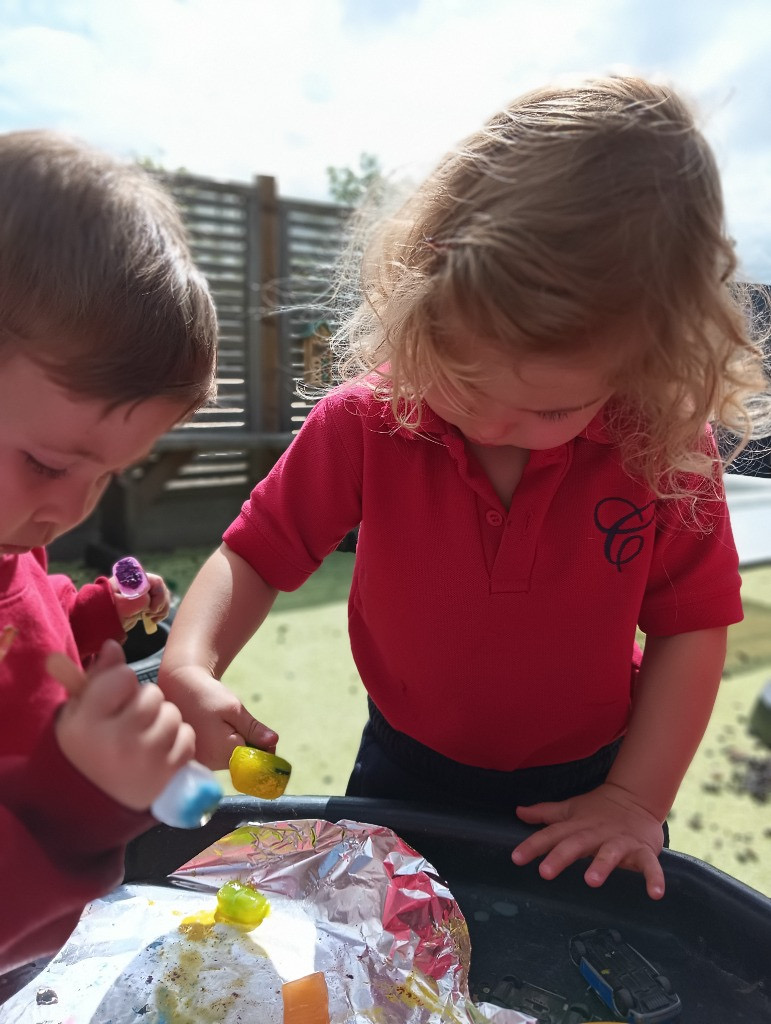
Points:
x=71, y=505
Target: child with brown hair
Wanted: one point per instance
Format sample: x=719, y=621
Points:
x=546, y=329
x=108, y=338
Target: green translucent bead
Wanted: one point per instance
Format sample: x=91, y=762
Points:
x=241, y=905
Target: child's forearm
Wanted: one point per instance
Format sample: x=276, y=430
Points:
x=225, y=604
x=673, y=701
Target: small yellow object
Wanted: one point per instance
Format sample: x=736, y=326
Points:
x=241, y=905
x=151, y=626
x=258, y=773
x=306, y=1000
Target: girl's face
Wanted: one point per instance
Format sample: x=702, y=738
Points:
x=540, y=404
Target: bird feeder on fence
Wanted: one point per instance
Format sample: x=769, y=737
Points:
x=318, y=363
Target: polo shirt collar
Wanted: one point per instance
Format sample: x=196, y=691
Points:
x=430, y=424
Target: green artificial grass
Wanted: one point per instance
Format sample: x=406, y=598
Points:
x=297, y=675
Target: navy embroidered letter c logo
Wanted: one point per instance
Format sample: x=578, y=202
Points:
x=623, y=523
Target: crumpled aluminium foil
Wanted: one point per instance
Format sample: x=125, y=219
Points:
x=350, y=899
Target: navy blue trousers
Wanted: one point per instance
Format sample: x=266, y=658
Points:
x=392, y=766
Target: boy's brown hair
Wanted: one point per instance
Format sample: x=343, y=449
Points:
x=97, y=282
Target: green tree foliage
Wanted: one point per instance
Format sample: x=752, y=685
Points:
x=149, y=163
x=349, y=187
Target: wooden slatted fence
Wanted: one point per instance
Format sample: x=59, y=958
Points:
x=268, y=261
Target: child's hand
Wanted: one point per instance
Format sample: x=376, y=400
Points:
x=125, y=738
x=155, y=602
x=605, y=824
x=220, y=720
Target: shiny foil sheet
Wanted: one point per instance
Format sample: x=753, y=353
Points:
x=349, y=899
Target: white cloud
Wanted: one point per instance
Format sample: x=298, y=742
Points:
x=230, y=88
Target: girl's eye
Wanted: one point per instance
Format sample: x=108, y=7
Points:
x=43, y=470
x=556, y=415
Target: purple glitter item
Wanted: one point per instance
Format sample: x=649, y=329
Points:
x=131, y=577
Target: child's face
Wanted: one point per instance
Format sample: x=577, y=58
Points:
x=541, y=404
x=58, y=452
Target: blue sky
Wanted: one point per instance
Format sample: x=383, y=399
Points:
x=233, y=88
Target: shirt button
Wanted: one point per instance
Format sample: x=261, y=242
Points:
x=493, y=518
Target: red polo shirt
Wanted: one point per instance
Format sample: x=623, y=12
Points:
x=62, y=839
x=501, y=638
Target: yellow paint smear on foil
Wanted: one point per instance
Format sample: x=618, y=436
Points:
x=176, y=996
x=197, y=926
x=420, y=990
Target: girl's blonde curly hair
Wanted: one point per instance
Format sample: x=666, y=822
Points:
x=572, y=216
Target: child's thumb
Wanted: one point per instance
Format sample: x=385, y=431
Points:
x=110, y=655
x=255, y=734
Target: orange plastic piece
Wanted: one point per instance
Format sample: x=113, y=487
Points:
x=306, y=1000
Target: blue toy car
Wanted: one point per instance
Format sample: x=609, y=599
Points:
x=623, y=978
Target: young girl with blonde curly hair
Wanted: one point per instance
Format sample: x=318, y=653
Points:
x=546, y=328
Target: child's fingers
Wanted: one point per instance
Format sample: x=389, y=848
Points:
x=129, y=609
x=171, y=737
x=140, y=711
x=567, y=848
x=543, y=813
x=159, y=598
x=540, y=842
x=609, y=856
x=184, y=745
x=653, y=873
x=633, y=857
x=111, y=691
x=562, y=846
x=565, y=842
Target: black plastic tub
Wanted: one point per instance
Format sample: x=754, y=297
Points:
x=143, y=651
x=710, y=935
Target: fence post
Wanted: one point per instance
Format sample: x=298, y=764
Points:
x=269, y=292
x=265, y=364
x=254, y=397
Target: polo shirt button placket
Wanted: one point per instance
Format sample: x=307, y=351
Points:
x=493, y=517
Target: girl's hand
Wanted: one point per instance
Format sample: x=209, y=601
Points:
x=155, y=602
x=605, y=824
x=220, y=720
x=125, y=738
